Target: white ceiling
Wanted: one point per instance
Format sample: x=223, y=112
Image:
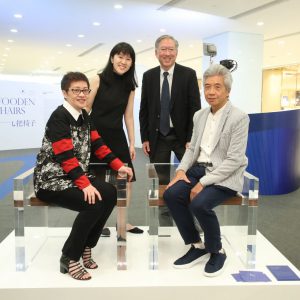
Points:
x=47, y=26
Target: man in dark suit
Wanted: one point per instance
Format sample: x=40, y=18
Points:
x=170, y=97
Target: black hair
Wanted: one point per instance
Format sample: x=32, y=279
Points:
x=71, y=77
x=130, y=76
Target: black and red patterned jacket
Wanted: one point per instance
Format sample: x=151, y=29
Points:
x=64, y=157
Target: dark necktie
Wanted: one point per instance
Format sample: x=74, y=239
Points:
x=165, y=106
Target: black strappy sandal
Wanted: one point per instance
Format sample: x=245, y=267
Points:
x=88, y=262
x=74, y=268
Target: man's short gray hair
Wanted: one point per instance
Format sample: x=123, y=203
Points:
x=163, y=37
x=219, y=70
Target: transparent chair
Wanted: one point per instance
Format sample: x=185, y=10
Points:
x=32, y=233
x=238, y=231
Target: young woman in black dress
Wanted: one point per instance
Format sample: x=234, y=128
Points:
x=111, y=100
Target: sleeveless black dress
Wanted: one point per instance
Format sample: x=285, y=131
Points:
x=107, y=114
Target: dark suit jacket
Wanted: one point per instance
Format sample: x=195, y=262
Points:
x=185, y=101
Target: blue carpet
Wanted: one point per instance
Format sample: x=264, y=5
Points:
x=6, y=187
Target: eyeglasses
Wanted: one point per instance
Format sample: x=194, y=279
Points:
x=78, y=91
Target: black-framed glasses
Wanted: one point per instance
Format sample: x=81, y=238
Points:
x=78, y=91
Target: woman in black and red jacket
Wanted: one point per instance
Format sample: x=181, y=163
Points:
x=61, y=174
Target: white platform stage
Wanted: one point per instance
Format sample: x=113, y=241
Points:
x=42, y=280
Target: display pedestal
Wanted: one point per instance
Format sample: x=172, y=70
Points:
x=42, y=279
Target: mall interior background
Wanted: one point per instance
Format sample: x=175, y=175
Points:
x=279, y=87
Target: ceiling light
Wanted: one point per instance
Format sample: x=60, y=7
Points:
x=80, y=35
x=281, y=42
x=96, y=23
x=59, y=52
x=162, y=30
x=10, y=41
x=260, y=23
x=138, y=41
x=7, y=49
x=18, y=16
x=14, y=30
x=68, y=45
x=118, y=6
x=5, y=55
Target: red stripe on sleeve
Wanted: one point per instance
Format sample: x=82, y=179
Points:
x=82, y=182
x=94, y=135
x=62, y=146
x=116, y=164
x=102, y=152
x=69, y=164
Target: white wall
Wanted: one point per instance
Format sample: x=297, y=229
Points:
x=247, y=50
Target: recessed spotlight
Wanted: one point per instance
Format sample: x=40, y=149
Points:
x=118, y=6
x=96, y=23
x=5, y=55
x=7, y=49
x=138, y=41
x=68, y=45
x=260, y=23
x=59, y=52
x=10, y=41
x=162, y=30
x=18, y=16
x=81, y=35
x=14, y=30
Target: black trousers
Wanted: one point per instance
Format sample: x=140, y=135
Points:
x=164, y=147
x=88, y=224
x=162, y=154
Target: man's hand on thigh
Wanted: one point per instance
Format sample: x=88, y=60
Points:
x=196, y=190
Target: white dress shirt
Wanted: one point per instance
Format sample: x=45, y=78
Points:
x=75, y=113
x=208, y=136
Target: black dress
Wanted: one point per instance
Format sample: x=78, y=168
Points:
x=107, y=114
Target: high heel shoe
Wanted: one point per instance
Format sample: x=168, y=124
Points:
x=135, y=230
x=105, y=232
x=74, y=268
x=88, y=262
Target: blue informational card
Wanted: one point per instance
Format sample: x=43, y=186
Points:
x=283, y=273
x=237, y=277
x=254, y=276
x=251, y=276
